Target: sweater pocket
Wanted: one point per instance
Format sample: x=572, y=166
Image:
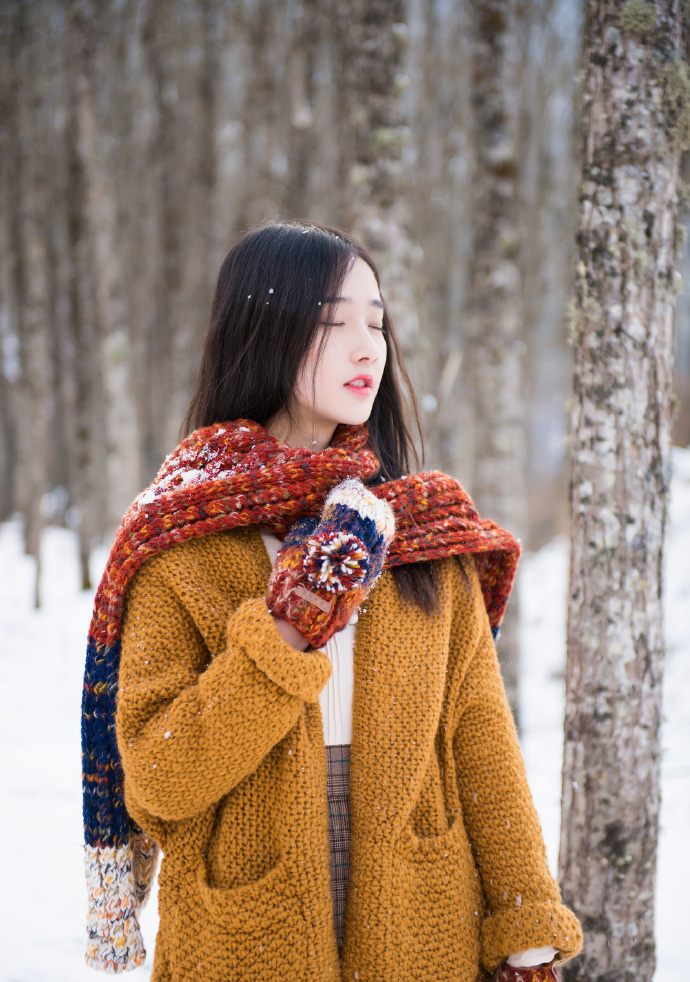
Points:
x=437, y=906
x=251, y=933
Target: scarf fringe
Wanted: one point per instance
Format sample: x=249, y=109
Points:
x=119, y=883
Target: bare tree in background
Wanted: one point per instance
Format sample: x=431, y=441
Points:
x=550, y=49
x=85, y=451
x=437, y=94
x=123, y=455
x=28, y=290
x=494, y=346
x=262, y=117
x=161, y=54
x=372, y=37
x=636, y=118
x=183, y=160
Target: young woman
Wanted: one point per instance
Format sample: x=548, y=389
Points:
x=292, y=685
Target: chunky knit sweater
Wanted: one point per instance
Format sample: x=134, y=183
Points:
x=221, y=737
x=335, y=700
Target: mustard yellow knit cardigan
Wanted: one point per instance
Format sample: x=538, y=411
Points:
x=221, y=737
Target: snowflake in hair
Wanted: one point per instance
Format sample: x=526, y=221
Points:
x=336, y=561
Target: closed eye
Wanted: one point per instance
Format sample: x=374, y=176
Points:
x=374, y=327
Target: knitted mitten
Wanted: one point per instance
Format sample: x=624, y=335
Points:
x=542, y=973
x=326, y=567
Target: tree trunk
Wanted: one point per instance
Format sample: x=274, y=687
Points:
x=494, y=349
x=123, y=457
x=635, y=120
x=202, y=244
x=373, y=135
x=29, y=282
x=303, y=32
x=263, y=163
x=83, y=440
x=170, y=192
x=550, y=44
x=437, y=96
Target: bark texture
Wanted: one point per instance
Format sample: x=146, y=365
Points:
x=634, y=124
x=28, y=286
x=494, y=349
x=373, y=39
x=123, y=454
x=550, y=46
x=85, y=416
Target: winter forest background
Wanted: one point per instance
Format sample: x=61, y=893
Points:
x=466, y=143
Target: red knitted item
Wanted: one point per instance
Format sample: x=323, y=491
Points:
x=543, y=973
x=323, y=573
x=233, y=474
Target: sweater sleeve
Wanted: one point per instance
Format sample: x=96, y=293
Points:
x=524, y=908
x=190, y=729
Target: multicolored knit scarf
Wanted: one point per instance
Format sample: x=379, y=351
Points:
x=222, y=477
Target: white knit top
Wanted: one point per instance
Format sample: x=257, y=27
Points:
x=336, y=696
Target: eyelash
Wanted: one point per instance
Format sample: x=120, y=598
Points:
x=374, y=327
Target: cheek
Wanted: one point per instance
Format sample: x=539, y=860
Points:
x=317, y=380
x=384, y=353
x=329, y=373
x=382, y=357
x=309, y=369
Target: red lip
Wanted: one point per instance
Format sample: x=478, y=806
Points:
x=367, y=379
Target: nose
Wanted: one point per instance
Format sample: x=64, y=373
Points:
x=364, y=346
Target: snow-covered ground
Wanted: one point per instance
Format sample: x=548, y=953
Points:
x=41, y=665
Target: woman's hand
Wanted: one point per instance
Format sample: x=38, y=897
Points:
x=291, y=634
x=325, y=569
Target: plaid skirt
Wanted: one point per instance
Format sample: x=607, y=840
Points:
x=338, y=794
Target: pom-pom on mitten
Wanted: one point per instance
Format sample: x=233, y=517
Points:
x=324, y=569
x=542, y=973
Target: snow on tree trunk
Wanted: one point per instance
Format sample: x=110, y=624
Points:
x=635, y=120
x=494, y=349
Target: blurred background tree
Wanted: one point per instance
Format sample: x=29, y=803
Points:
x=140, y=138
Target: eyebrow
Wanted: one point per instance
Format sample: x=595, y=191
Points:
x=372, y=303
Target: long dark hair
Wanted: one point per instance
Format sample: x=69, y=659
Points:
x=264, y=316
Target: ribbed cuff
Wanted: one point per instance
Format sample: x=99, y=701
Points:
x=301, y=674
x=530, y=926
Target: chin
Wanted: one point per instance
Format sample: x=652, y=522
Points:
x=355, y=417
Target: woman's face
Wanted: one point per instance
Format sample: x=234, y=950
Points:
x=328, y=393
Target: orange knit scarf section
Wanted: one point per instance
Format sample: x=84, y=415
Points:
x=234, y=474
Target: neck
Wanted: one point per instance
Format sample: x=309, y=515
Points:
x=300, y=435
